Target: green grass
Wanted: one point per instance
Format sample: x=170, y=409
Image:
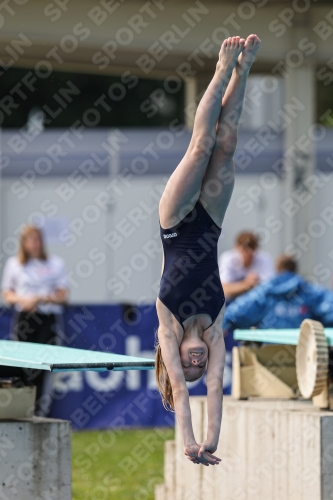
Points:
x=118, y=464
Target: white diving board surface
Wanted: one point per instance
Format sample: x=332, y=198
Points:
x=55, y=358
x=277, y=336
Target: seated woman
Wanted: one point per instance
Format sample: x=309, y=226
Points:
x=190, y=303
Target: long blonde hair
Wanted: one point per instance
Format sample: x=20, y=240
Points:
x=163, y=380
x=27, y=231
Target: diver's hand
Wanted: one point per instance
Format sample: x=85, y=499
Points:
x=205, y=458
x=208, y=445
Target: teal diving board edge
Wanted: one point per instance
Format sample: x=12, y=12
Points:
x=65, y=367
x=277, y=336
x=55, y=358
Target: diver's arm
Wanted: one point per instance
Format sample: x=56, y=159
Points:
x=171, y=359
x=214, y=392
x=184, y=417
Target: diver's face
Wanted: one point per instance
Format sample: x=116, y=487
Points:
x=193, y=357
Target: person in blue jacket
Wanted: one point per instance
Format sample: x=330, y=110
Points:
x=282, y=302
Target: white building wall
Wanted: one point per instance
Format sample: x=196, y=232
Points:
x=107, y=229
x=114, y=255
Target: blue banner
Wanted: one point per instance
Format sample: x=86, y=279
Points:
x=99, y=400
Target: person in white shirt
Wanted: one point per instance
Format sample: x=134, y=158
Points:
x=244, y=266
x=35, y=285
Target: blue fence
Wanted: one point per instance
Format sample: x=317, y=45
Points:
x=97, y=400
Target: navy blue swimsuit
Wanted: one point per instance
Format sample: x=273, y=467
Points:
x=190, y=283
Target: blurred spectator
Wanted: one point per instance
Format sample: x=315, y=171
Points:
x=282, y=302
x=244, y=266
x=36, y=285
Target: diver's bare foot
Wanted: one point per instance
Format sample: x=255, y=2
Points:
x=228, y=55
x=247, y=56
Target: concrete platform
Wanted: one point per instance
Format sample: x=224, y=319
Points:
x=35, y=459
x=270, y=450
x=17, y=402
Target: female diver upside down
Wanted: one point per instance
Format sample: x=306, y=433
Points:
x=190, y=304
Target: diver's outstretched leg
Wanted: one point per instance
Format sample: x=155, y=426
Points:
x=218, y=181
x=184, y=186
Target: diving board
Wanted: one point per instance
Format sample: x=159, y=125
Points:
x=56, y=358
x=277, y=336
